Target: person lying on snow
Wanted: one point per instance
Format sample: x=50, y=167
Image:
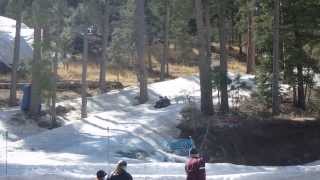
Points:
x=101, y=174
x=162, y=102
x=195, y=166
x=120, y=173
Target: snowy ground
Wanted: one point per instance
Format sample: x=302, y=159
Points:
x=117, y=129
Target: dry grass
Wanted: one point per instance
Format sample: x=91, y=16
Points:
x=126, y=76
x=237, y=67
x=177, y=70
x=4, y=77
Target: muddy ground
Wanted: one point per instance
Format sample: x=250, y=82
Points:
x=256, y=141
x=62, y=95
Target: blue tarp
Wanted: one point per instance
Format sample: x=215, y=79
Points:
x=181, y=146
x=26, y=99
x=25, y=103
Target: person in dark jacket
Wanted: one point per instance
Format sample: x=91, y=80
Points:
x=101, y=174
x=120, y=173
x=195, y=166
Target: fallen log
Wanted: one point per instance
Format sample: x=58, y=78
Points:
x=68, y=85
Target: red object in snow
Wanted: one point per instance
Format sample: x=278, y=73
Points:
x=195, y=169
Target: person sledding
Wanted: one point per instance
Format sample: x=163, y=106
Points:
x=101, y=174
x=120, y=173
x=162, y=102
x=195, y=166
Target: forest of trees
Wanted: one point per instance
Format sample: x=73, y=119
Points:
x=278, y=39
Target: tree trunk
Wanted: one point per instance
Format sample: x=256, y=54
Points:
x=164, y=60
x=294, y=95
x=140, y=33
x=223, y=59
x=208, y=31
x=162, y=65
x=232, y=29
x=204, y=64
x=105, y=37
x=150, y=54
x=16, y=55
x=54, y=90
x=84, y=77
x=60, y=52
x=275, y=63
x=301, y=97
x=166, y=39
x=35, y=100
x=306, y=90
x=3, y=6
x=132, y=58
x=240, y=45
x=250, y=45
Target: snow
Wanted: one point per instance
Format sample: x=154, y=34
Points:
x=18, y=129
x=173, y=171
x=117, y=129
x=317, y=80
x=7, y=35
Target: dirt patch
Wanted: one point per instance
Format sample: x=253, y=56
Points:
x=247, y=140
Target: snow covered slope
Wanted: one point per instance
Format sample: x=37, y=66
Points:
x=7, y=35
x=118, y=129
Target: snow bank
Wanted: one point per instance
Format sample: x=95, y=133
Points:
x=317, y=80
x=19, y=128
x=180, y=88
x=7, y=35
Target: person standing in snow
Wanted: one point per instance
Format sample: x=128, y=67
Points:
x=195, y=166
x=120, y=172
x=101, y=174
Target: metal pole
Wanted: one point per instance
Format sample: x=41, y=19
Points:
x=6, y=139
x=193, y=144
x=108, y=147
x=2, y=133
x=84, y=84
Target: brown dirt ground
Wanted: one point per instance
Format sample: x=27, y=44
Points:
x=254, y=140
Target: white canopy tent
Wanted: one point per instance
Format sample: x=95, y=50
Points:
x=7, y=35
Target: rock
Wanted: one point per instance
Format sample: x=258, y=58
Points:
x=45, y=122
x=61, y=110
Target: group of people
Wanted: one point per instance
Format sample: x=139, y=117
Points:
x=194, y=168
x=120, y=173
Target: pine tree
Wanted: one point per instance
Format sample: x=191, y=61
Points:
x=205, y=61
x=275, y=62
x=105, y=38
x=164, y=59
x=140, y=42
x=35, y=100
x=223, y=57
x=16, y=54
x=251, y=53
x=84, y=85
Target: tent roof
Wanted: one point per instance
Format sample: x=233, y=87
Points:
x=7, y=35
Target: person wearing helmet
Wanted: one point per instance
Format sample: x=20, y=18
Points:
x=195, y=167
x=120, y=173
x=101, y=174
